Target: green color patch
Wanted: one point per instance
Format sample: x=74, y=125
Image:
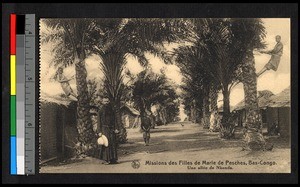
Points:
x=13, y=115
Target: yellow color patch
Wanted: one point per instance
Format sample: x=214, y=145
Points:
x=13, y=79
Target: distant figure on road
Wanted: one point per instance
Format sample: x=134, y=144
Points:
x=146, y=126
x=64, y=82
x=275, y=58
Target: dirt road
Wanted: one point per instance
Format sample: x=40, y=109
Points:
x=184, y=148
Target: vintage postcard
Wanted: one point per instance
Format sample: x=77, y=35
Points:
x=165, y=95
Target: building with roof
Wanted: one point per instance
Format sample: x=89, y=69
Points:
x=130, y=117
x=279, y=112
x=58, y=132
x=275, y=111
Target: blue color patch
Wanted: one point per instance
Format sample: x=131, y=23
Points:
x=13, y=155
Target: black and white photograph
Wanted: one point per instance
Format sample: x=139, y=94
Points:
x=164, y=95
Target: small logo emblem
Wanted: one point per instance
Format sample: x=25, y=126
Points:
x=135, y=164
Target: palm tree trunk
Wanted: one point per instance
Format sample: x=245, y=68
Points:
x=205, y=110
x=254, y=137
x=226, y=106
x=84, y=123
x=122, y=136
x=192, y=115
x=213, y=94
x=199, y=115
x=193, y=112
x=112, y=68
x=163, y=116
x=227, y=127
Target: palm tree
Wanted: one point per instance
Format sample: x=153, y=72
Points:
x=190, y=60
x=113, y=84
x=229, y=45
x=216, y=54
x=133, y=37
x=150, y=89
x=166, y=101
x=215, y=41
x=213, y=95
x=250, y=33
x=206, y=104
x=188, y=103
x=112, y=39
x=72, y=39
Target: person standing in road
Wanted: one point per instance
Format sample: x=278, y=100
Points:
x=106, y=126
x=146, y=126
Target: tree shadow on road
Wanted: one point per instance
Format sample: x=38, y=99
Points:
x=180, y=142
x=189, y=141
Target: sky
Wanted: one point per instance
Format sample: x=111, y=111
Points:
x=270, y=80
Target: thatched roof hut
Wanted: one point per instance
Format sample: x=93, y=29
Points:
x=57, y=127
x=283, y=99
x=221, y=108
x=130, y=116
x=275, y=111
x=279, y=113
x=55, y=99
x=264, y=98
x=130, y=110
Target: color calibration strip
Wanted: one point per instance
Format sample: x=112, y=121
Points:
x=22, y=94
x=13, y=112
x=20, y=60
